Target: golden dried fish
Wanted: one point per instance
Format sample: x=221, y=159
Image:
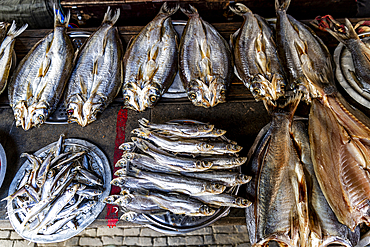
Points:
x=6, y=53
x=97, y=76
x=279, y=188
x=150, y=62
x=306, y=59
x=38, y=82
x=3, y=29
x=205, y=62
x=256, y=60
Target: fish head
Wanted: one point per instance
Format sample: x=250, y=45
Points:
x=129, y=216
x=118, y=181
x=74, y=109
x=233, y=148
x=97, y=192
x=37, y=115
x=203, y=146
x=242, y=202
x=215, y=188
x=239, y=160
x=121, y=172
x=122, y=163
x=124, y=200
x=203, y=164
x=139, y=98
x=129, y=156
x=218, y=132
x=206, y=210
x=200, y=94
x=111, y=199
x=243, y=179
x=127, y=147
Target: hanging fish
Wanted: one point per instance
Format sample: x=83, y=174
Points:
x=150, y=62
x=205, y=62
x=39, y=80
x=97, y=76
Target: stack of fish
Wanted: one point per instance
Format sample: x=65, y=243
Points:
x=38, y=82
x=289, y=169
x=58, y=188
x=183, y=167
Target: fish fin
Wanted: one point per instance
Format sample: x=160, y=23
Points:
x=13, y=32
x=44, y=68
x=240, y=9
x=168, y=11
x=193, y=12
x=82, y=86
x=108, y=18
x=341, y=36
x=282, y=7
x=67, y=18
x=57, y=16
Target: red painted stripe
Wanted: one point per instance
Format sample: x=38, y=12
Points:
x=112, y=210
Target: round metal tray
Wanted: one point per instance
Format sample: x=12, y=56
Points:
x=345, y=69
x=170, y=223
x=2, y=165
x=99, y=164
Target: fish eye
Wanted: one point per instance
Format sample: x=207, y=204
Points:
x=70, y=112
x=41, y=117
x=126, y=98
x=223, y=93
x=153, y=98
x=256, y=91
x=192, y=96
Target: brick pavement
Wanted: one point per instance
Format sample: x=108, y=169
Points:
x=220, y=236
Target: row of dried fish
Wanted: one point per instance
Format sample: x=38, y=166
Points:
x=289, y=207
x=159, y=179
x=56, y=189
x=152, y=57
x=38, y=83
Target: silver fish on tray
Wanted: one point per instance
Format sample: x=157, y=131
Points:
x=205, y=62
x=224, y=200
x=255, y=54
x=6, y=53
x=38, y=82
x=150, y=62
x=97, y=76
x=227, y=178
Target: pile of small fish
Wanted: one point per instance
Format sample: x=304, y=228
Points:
x=308, y=189
x=57, y=189
x=183, y=167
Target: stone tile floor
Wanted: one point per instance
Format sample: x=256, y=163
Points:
x=223, y=236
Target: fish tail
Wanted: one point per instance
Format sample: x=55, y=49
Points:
x=168, y=11
x=240, y=9
x=108, y=18
x=144, y=122
x=13, y=32
x=289, y=106
x=282, y=7
x=58, y=18
x=192, y=12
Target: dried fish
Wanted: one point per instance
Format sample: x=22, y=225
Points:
x=256, y=59
x=142, y=162
x=219, y=163
x=225, y=177
x=38, y=82
x=224, y=200
x=6, y=53
x=205, y=62
x=97, y=76
x=150, y=62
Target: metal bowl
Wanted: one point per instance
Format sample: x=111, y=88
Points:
x=345, y=69
x=100, y=165
x=2, y=164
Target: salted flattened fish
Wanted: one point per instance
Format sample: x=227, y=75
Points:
x=360, y=52
x=255, y=56
x=96, y=78
x=182, y=145
x=325, y=228
x=176, y=163
x=306, y=60
x=225, y=177
x=6, y=53
x=183, y=130
x=279, y=189
x=150, y=62
x=224, y=200
x=38, y=82
x=205, y=62
x=176, y=183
